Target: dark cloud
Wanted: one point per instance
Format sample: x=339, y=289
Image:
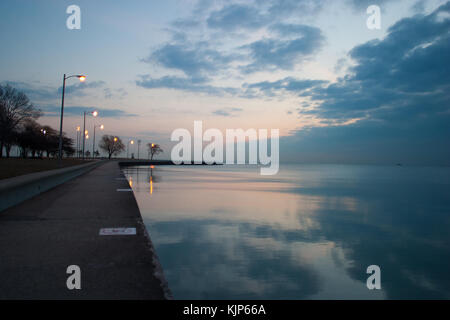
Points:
x=51, y=111
x=400, y=87
x=277, y=53
x=402, y=76
x=33, y=91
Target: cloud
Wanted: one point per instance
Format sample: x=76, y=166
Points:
x=198, y=62
x=277, y=53
x=283, y=8
x=180, y=83
x=37, y=91
x=78, y=89
x=363, y=4
x=234, y=16
x=227, y=112
x=194, y=60
x=289, y=84
x=115, y=93
x=251, y=16
x=52, y=111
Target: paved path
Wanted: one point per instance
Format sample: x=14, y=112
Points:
x=41, y=237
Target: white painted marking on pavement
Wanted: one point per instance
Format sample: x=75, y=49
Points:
x=117, y=231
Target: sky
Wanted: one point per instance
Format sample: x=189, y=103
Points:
x=338, y=91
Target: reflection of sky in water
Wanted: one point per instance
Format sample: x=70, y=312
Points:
x=309, y=232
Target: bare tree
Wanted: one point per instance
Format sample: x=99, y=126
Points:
x=154, y=149
x=15, y=108
x=112, y=145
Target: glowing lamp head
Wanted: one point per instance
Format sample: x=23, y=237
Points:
x=132, y=142
x=115, y=139
x=87, y=136
x=95, y=113
x=102, y=127
x=153, y=145
x=86, y=132
x=78, y=128
x=82, y=78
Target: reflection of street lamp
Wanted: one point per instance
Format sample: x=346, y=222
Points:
x=128, y=146
x=93, y=143
x=94, y=113
x=82, y=78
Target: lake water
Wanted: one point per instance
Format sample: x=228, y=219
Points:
x=309, y=232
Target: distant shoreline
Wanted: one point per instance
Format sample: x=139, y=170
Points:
x=129, y=163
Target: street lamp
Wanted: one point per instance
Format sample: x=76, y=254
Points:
x=128, y=146
x=94, y=113
x=93, y=143
x=82, y=78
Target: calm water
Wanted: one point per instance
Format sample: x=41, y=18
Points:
x=309, y=232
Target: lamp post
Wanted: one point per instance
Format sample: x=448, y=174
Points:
x=114, y=143
x=82, y=78
x=78, y=141
x=128, y=146
x=139, y=146
x=87, y=138
x=93, y=143
x=94, y=114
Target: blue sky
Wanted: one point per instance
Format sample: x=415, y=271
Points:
x=337, y=91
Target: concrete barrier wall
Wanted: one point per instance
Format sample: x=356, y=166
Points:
x=17, y=189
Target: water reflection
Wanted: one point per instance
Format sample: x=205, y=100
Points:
x=309, y=232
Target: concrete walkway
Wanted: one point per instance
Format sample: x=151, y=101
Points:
x=41, y=237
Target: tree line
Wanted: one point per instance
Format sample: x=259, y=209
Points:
x=18, y=127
